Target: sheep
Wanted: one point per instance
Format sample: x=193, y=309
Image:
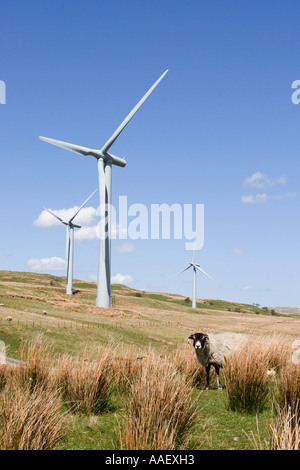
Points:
x=212, y=350
x=9, y=319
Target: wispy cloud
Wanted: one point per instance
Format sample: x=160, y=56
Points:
x=126, y=248
x=87, y=216
x=291, y=195
x=247, y=288
x=93, y=232
x=238, y=251
x=263, y=197
x=260, y=180
x=122, y=279
x=47, y=264
x=254, y=198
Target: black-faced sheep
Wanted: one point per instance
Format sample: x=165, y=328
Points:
x=212, y=350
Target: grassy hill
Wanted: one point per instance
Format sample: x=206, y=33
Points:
x=37, y=302
x=288, y=310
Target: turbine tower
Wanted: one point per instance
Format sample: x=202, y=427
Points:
x=105, y=161
x=70, y=243
x=195, y=267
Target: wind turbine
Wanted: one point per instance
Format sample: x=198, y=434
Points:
x=195, y=266
x=105, y=161
x=70, y=243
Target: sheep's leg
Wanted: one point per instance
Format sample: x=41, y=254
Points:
x=217, y=370
x=207, y=377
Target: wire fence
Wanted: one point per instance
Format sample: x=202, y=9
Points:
x=70, y=324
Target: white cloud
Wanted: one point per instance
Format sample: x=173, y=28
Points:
x=93, y=277
x=247, y=288
x=118, y=231
x=90, y=230
x=87, y=216
x=47, y=264
x=238, y=251
x=248, y=199
x=291, y=195
x=126, y=248
x=93, y=232
x=260, y=180
x=252, y=199
x=261, y=197
x=122, y=279
x=87, y=233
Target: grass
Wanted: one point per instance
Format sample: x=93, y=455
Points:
x=29, y=419
x=246, y=379
x=121, y=401
x=288, y=392
x=73, y=330
x=86, y=385
x=161, y=412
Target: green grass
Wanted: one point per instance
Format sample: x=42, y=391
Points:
x=166, y=300
x=221, y=429
x=74, y=326
x=216, y=427
x=95, y=432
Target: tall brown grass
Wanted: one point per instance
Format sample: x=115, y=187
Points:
x=288, y=390
x=161, y=413
x=3, y=376
x=284, y=433
x=125, y=367
x=86, y=385
x=246, y=378
x=186, y=363
x=285, y=430
x=35, y=365
x=29, y=420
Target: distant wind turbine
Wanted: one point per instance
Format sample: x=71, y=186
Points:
x=70, y=243
x=195, y=266
x=105, y=161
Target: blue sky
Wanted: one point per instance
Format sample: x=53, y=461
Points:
x=219, y=130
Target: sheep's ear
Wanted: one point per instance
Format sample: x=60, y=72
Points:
x=192, y=337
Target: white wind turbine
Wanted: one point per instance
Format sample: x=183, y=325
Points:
x=70, y=243
x=195, y=266
x=105, y=161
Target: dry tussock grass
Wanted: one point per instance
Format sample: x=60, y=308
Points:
x=35, y=366
x=125, y=368
x=285, y=431
x=161, y=412
x=86, y=385
x=186, y=363
x=30, y=420
x=288, y=390
x=246, y=373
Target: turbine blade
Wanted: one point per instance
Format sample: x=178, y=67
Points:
x=82, y=206
x=118, y=131
x=203, y=272
x=193, y=255
x=188, y=267
x=68, y=146
x=54, y=215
